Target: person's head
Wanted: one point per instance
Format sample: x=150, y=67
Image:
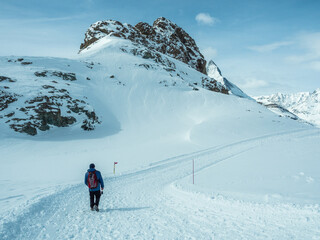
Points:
x=92, y=165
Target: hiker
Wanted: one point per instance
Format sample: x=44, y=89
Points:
x=93, y=180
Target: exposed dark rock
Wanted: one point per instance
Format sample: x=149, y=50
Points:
x=41, y=74
x=20, y=59
x=89, y=65
x=64, y=76
x=155, y=56
x=45, y=111
x=169, y=69
x=48, y=86
x=146, y=66
x=9, y=114
x=63, y=91
x=87, y=125
x=26, y=63
x=53, y=117
x=74, y=108
x=6, y=98
x=29, y=107
x=6, y=79
x=213, y=85
x=27, y=128
x=164, y=37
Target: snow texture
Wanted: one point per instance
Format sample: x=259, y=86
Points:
x=305, y=105
x=257, y=175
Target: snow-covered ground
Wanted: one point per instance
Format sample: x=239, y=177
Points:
x=257, y=174
x=160, y=202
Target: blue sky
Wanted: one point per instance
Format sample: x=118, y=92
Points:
x=262, y=46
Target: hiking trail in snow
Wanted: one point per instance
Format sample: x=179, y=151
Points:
x=150, y=204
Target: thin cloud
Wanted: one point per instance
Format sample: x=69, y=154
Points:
x=40, y=20
x=315, y=65
x=310, y=44
x=206, y=19
x=269, y=47
x=253, y=83
x=209, y=53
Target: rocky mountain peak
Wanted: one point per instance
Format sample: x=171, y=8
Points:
x=163, y=36
x=214, y=72
x=145, y=29
x=164, y=25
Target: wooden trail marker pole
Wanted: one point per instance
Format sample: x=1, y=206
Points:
x=114, y=167
x=192, y=171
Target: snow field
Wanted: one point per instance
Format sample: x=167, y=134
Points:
x=257, y=175
x=151, y=204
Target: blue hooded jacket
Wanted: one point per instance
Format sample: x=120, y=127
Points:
x=99, y=177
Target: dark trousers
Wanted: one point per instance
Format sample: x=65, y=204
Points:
x=97, y=195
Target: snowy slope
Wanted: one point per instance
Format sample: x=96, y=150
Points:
x=155, y=117
x=305, y=105
x=159, y=202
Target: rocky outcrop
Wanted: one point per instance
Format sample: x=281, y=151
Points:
x=53, y=107
x=6, y=98
x=64, y=76
x=6, y=79
x=163, y=36
x=213, y=85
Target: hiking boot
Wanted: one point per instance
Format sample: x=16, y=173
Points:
x=91, y=209
x=96, y=208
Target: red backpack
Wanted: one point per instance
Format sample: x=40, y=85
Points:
x=92, y=180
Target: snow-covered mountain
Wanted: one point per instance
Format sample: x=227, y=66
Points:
x=39, y=94
x=164, y=36
x=214, y=72
x=144, y=97
x=305, y=105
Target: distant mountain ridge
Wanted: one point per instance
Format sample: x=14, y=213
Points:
x=167, y=38
x=305, y=105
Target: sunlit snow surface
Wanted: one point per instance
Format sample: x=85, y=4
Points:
x=305, y=105
x=257, y=175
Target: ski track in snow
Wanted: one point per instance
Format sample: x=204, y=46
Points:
x=147, y=205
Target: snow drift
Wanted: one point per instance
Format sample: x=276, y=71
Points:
x=149, y=110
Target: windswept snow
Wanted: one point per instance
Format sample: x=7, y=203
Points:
x=257, y=174
x=155, y=203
